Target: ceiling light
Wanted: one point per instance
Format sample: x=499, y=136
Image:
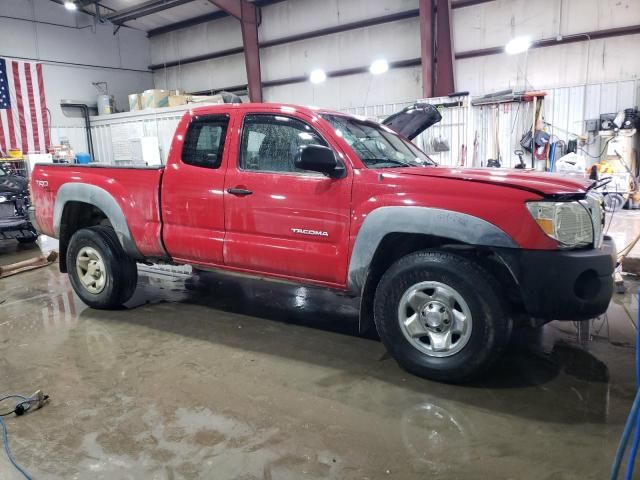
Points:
x=379, y=66
x=518, y=45
x=317, y=76
x=69, y=5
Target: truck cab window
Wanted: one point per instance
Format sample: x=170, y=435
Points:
x=204, y=142
x=270, y=142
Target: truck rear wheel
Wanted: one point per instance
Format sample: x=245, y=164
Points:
x=440, y=316
x=101, y=273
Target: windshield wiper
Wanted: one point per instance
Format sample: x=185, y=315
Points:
x=389, y=160
x=599, y=183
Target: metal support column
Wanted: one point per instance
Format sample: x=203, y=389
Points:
x=426, y=46
x=443, y=78
x=249, y=16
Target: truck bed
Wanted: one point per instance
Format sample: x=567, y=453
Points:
x=136, y=189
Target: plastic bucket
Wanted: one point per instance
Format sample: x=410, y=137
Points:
x=83, y=158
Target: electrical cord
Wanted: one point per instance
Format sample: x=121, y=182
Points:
x=633, y=420
x=35, y=401
x=634, y=451
x=604, y=149
x=606, y=231
x=636, y=438
x=5, y=441
x=20, y=408
x=623, y=252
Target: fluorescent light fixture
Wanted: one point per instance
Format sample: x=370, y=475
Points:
x=379, y=67
x=518, y=45
x=69, y=5
x=317, y=76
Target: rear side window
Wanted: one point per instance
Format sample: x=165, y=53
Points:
x=270, y=143
x=204, y=143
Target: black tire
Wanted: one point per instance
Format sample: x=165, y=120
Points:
x=490, y=327
x=120, y=270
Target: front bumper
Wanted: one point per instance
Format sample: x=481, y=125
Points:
x=563, y=284
x=16, y=227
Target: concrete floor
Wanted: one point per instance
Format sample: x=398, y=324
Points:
x=217, y=377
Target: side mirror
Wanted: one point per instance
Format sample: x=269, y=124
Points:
x=318, y=159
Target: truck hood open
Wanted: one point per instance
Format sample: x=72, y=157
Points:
x=536, y=182
x=413, y=120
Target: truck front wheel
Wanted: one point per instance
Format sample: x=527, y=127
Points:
x=101, y=273
x=440, y=316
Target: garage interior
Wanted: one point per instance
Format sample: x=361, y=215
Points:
x=214, y=375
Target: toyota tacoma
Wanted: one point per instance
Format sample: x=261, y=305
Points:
x=445, y=261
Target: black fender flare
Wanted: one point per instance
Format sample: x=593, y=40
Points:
x=100, y=198
x=414, y=220
x=417, y=220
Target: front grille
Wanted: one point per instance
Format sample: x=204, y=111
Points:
x=7, y=209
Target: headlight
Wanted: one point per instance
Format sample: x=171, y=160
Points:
x=3, y=199
x=570, y=223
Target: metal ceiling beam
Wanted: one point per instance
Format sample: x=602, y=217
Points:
x=237, y=8
x=84, y=3
x=191, y=22
x=345, y=27
x=468, y=3
x=142, y=10
x=249, y=16
x=552, y=42
x=411, y=62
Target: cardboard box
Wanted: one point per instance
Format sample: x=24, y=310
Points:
x=177, y=100
x=135, y=102
x=207, y=99
x=155, y=98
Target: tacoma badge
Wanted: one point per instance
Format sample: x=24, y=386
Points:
x=316, y=233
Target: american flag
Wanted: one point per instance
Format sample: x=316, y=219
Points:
x=23, y=110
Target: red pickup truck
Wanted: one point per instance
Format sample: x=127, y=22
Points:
x=444, y=260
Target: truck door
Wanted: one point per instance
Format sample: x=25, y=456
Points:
x=281, y=220
x=192, y=192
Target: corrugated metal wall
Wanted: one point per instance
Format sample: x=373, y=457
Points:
x=498, y=128
x=565, y=109
x=444, y=141
x=160, y=123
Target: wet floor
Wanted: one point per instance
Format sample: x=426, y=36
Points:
x=219, y=377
